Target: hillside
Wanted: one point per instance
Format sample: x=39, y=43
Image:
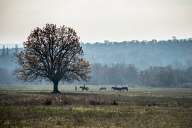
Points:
x=142, y=54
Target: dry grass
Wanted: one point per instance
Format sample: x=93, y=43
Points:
x=93, y=110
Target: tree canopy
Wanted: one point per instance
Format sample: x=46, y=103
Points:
x=53, y=53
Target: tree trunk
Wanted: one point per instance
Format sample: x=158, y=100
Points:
x=55, y=87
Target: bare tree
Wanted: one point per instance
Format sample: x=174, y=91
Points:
x=53, y=53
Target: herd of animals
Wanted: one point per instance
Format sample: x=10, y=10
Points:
x=84, y=88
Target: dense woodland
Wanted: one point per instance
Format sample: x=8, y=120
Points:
x=134, y=63
x=154, y=76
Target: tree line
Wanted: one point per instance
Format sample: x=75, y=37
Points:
x=6, y=51
x=143, y=54
x=118, y=55
x=154, y=76
x=122, y=74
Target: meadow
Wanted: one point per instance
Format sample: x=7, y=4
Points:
x=138, y=108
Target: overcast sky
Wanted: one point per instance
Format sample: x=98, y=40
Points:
x=98, y=20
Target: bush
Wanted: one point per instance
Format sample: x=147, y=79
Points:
x=47, y=102
x=114, y=102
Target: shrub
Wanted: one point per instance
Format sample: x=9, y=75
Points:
x=114, y=102
x=47, y=102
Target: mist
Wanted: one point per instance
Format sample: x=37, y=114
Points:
x=164, y=63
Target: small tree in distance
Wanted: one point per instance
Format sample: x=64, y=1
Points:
x=53, y=54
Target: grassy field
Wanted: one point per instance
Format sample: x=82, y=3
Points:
x=139, y=108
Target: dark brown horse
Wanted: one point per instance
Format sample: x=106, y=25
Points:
x=120, y=88
x=84, y=88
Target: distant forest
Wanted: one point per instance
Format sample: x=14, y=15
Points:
x=133, y=63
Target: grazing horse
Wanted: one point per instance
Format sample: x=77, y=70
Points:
x=102, y=88
x=84, y=88
x=120, y=88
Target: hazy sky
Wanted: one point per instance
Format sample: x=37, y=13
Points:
x=98, y=20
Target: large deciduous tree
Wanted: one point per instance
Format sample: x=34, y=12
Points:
x=53, y=53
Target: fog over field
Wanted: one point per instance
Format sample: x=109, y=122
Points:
x=135, y=63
